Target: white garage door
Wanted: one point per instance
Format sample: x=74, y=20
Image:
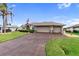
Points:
x=42, y=29
x=57, y=29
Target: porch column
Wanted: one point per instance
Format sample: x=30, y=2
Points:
x=51, y=29
x=62, y=30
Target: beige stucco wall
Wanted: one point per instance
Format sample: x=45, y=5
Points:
x=57, y=29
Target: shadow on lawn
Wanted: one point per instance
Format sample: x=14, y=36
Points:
x=66, y=51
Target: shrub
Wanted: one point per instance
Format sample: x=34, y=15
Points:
x=23, y=30
x=68, y=31
x=31, y=31
x=8, y=30
x=76, y=31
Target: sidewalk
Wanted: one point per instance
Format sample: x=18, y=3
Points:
x=71, y=35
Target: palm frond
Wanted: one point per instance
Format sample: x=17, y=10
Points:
x=3, y=6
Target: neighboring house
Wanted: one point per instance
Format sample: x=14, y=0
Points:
x=20, y=28
x=73, y=28
x=12, y=28
x=69, y=29
x=49, y=27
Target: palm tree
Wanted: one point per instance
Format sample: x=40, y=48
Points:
x=3, y=9
x=4, y=13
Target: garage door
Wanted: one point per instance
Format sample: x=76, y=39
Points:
x=42, y=29
x=57, y=29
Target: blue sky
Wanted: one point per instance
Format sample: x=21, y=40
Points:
x=66, y=13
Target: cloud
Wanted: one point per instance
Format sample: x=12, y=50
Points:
x=72, y=22
x=75, y=21
x=13, y=5
x=68, y=21
x=63, y=5
x=61, y=19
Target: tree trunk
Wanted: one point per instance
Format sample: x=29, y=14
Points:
x=4, y=23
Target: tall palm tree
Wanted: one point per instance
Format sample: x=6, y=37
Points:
x=3, y=10
x=4, y=13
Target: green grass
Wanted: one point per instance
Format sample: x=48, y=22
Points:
x=10, y=36
x=63, y=47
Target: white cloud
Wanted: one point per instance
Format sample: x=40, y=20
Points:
x=13, y=5
x=68, y=21
x=75, y=21
x=72, y=22
x=63, y=5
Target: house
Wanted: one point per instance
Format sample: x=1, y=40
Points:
x=11, y=28
x=69, y=29
x=47, y=27
x=73, y=28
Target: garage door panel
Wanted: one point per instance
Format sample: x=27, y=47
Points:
x=42, y=29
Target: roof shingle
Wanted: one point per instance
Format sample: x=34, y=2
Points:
x=47, y=24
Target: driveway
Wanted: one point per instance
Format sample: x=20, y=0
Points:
x=28, y=45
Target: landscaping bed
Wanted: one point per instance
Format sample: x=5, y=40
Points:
x=75, y=33
x=63, y=47
x=10, y=36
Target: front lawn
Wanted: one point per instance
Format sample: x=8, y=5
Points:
x=63, y=47
x=10, y=36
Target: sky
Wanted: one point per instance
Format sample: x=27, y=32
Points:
x=66, y=13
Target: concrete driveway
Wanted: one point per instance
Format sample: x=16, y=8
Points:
x=28, y=45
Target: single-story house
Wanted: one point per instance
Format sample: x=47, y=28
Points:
x=73, y=28
x=12, y=28
x=49, y=27
x=69, y=29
